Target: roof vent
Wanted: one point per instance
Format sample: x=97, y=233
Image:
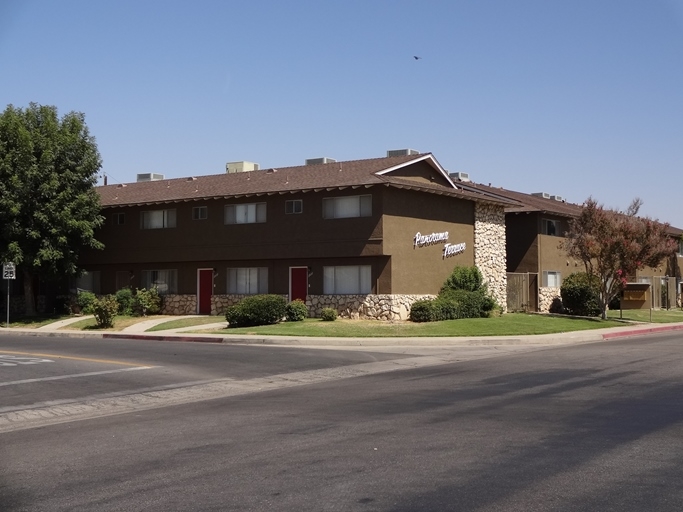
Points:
x=402, y=152
x=241, y=166
x=557, y=198
x=317, y=161
x=460, y=176
x=544, y=195
x=150, y=176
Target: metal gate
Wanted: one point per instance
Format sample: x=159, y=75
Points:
x=522, y=291
x=662, y=291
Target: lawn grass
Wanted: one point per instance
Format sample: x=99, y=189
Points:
x=659, y=316
x=187, y=322
x=511, y=324
x=120, y=322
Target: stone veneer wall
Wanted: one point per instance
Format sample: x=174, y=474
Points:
x=546, y=295
x=489, y=249
x=380, y=307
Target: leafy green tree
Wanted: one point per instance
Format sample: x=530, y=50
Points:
x=614, y=245
x=49, y=209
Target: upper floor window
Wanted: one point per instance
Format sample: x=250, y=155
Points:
x=119, y=218
x=245, y=213
x=346, y=207
x=680, y=247
x=294, y=206
x=347, y=280
x=248, y=281
x=200, y=213
x=551, y=227
x=157, y=219
x=165, y=281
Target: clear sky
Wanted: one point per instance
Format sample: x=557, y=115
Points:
x=571, y=97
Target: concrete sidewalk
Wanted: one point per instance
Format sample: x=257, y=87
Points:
x=137, y=332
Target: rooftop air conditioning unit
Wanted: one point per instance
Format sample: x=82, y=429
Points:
x=241, y=166
x=460, y=176
x=557, y=198
x=317, y=161
x=150, y=176
x=544, y=195
x=402, y=152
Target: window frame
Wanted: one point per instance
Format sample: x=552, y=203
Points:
x=260, y=274
x=364, y=287
x=556, y=273
x=260, y=213
x=331, y=212
x=171, y=289
x=293, y=203
x=556, y=227
x=197, y=215
x=167, y=219
x=119, y=219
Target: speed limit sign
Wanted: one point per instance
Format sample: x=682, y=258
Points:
x=9, y=271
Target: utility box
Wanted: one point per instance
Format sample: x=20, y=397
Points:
x=636, y=296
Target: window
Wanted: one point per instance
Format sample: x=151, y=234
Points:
x=166, y=281
x=157, y=219
x=248, y=281
x=347, y=280
x=200, y=213
x=245, y=213
x=119, y=218
x=552, y=279
x=89, y=282
x=345, y=207
x=294, y=206
x=680, y=247
x=551, y=227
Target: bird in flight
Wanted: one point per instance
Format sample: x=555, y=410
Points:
x=416, y=57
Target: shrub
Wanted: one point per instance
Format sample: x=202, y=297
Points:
x=328, y=315
x=422, y=311
x=256, y=310
x=470, y=304
x=125, y=300
x=84, y=300
x=579, y=293
x=464, y=278
x=147, y=302
x=615, y=303
x=105, y=309
x=296, y=311
x=556, y=306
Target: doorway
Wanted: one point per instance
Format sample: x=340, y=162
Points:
x=204, y=290
x=298, y=283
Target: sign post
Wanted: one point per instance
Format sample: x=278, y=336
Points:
x=9, y=271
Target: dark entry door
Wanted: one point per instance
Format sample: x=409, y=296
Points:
x=205, y=290
x=298, y=283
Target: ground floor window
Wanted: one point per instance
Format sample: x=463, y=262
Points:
x=89, y=282
x=166, y=281
x=552, y=279
x=248, y=281
x=347, y=280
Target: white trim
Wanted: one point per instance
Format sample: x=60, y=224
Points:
x=198, y=281
x=432, y=161
x=289, y=295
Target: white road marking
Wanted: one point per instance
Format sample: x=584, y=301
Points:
x=60, y=377
x=8, y=360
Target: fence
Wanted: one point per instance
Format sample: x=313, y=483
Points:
x=522, y=291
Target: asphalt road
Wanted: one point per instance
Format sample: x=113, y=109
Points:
x=573, y=428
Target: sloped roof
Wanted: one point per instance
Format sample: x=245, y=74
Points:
x=329, y=176
x=531, y=203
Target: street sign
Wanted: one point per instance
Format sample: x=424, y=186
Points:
x=9, y=271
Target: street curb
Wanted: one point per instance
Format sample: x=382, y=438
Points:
x=644, y=330
x=574, y=337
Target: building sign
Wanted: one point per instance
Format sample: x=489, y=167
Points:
x=453, y=249
x=421, y=240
